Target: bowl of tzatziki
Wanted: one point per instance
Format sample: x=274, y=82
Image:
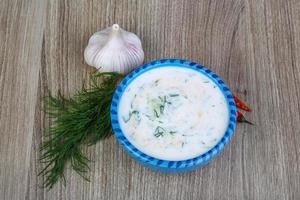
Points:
x=173, y=115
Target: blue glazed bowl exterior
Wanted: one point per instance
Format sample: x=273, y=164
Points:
x=164, y=165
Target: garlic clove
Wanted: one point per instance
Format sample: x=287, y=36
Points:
x=114, y=50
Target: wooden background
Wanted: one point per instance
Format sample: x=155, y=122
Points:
x=253, y=44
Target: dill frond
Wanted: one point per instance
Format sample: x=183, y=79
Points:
x=81, y=119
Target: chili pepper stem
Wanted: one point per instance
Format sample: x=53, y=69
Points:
x=240, y=118
x=244, y=120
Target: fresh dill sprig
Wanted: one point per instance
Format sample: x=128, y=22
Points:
x=81, y=119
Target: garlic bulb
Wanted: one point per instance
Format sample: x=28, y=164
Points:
x=114, y=50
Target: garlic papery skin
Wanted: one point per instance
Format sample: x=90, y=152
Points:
x=114, y=50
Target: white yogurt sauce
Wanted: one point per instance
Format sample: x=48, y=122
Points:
x=173, y=113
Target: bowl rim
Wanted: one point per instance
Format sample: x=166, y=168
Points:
x=152, y=161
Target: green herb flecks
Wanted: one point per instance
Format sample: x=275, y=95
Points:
x=159, y=132
x=182, y=144
x=156, y=81
x=156, y=113
x=133, y=113
x=127, y=119
x=164, y=100
x=81, y=119
x=161, y=109
x=172, y=132
x=159, y=105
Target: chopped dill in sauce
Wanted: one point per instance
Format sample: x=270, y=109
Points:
x=159, y=131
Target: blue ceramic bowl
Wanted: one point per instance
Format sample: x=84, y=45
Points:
x=164, y=165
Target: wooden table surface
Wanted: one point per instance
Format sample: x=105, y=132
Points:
x=253, y=44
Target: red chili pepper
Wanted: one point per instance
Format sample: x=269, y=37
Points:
x=240, y=104
x=240, y=118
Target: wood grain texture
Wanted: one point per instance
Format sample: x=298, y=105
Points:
x=253, y=44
